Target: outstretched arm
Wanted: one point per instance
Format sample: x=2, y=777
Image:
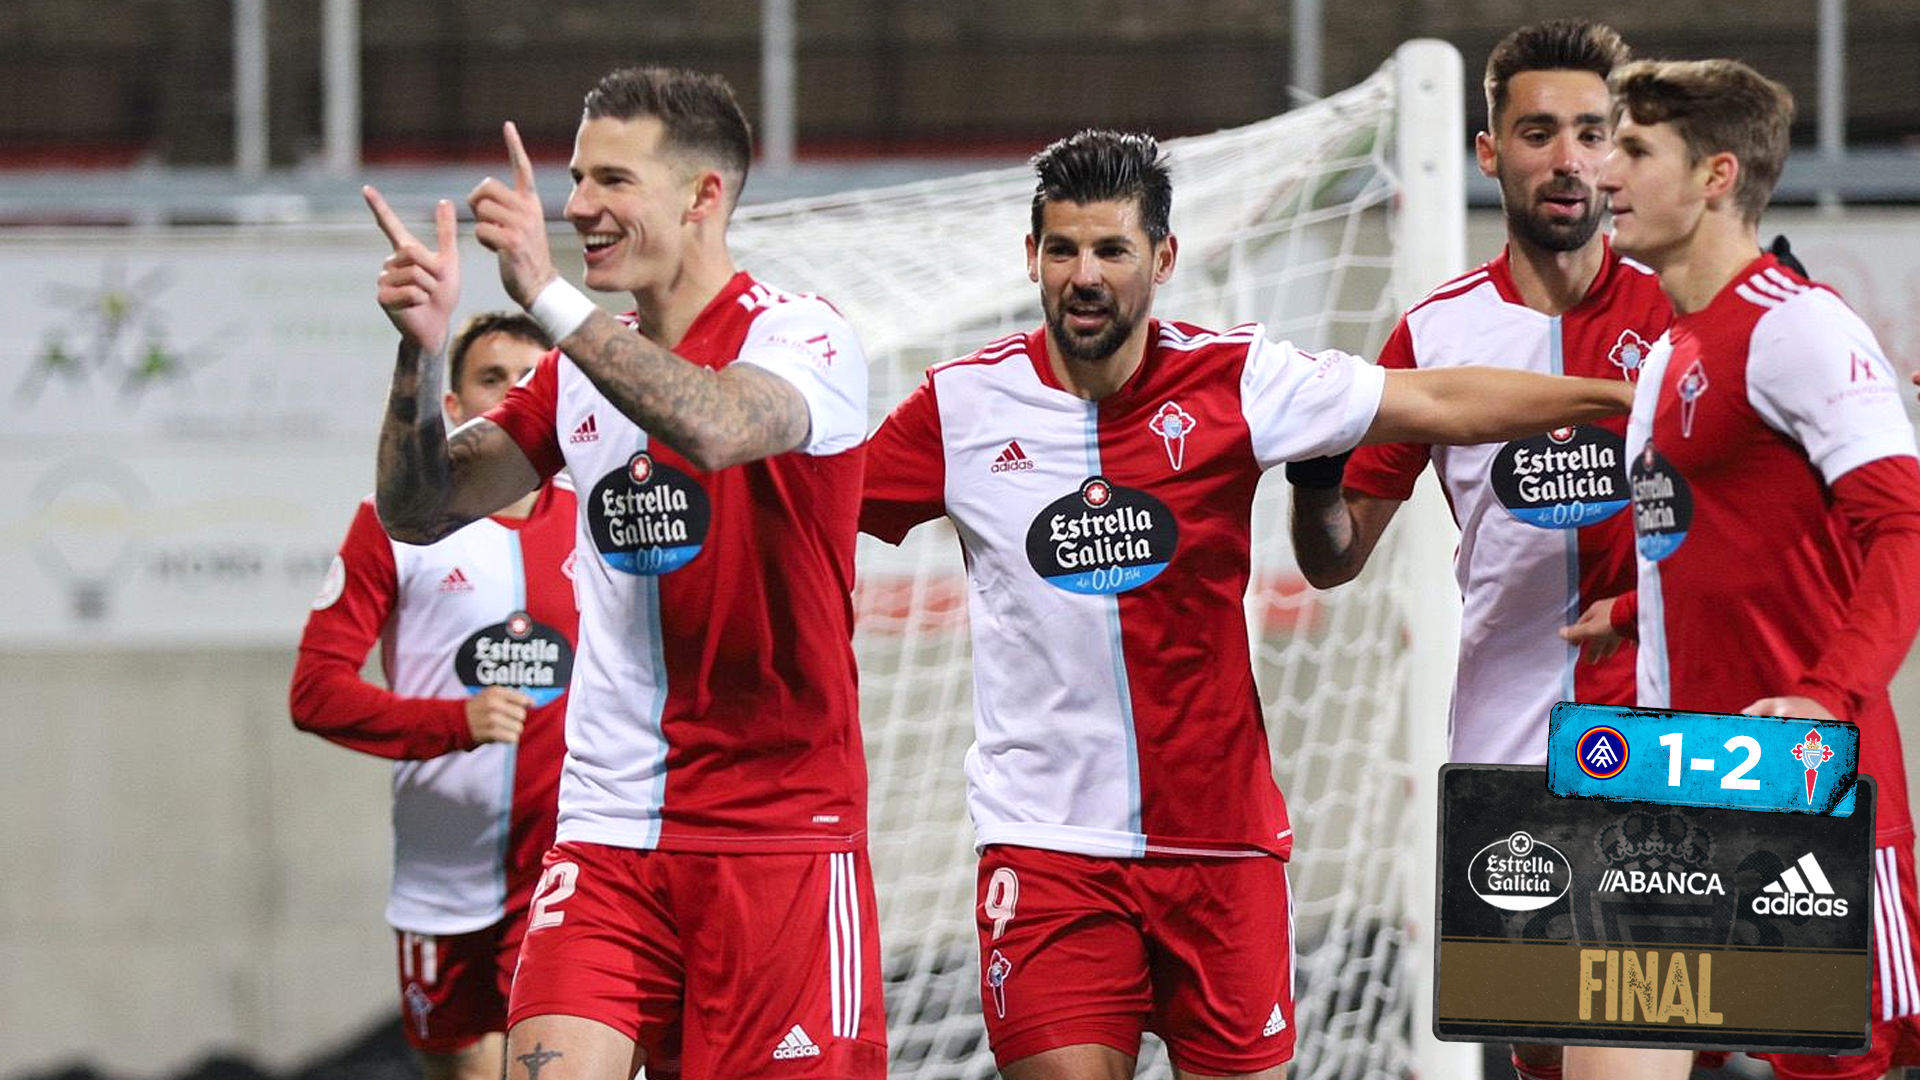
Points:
x=1335, y=531
x=427, y=485
x=716, y=418
x=1465, y=405
x=719, y=418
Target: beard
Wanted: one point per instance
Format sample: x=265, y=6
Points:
x=1098, y=346
x=1526, y=219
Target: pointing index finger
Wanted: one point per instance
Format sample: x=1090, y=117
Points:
x=383, y=215
x=445, y=229
x=517, y=155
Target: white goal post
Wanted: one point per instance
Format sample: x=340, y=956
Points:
x=1322, y=223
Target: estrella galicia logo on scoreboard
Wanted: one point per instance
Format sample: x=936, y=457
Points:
x=1519, y=873
x=517, y=652
x=1602, y=752
x=1564, y=479
x=648, y=518
x=1102, y=538
x=1662, y=505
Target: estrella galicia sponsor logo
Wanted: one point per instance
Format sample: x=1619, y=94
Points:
x=1519, y=873
x=1662, y=505
x=1102, y=538
x=1564, y=479
x=648, y=518
x=1602, y=752
x=517, y=652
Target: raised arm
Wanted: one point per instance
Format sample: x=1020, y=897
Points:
x=716, y=418
x=1466, y=405
x=428, y=485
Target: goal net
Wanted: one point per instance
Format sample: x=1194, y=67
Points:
x=1291, y=222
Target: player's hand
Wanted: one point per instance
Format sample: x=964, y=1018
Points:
x=418, y=289
x=510, y=223
x=497, y=714
x=1593, y=631
x=1804, y=708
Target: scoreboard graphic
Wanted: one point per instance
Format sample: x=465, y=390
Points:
x=1616, y=922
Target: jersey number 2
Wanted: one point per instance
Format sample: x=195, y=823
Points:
x=555, y=885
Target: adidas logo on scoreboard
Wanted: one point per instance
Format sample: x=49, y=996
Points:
x=1802, y=889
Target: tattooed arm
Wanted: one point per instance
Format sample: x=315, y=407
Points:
x=716, y=418
x=719, y=418
x=430, y=484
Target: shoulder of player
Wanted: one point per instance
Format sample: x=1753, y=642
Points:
x=1186, y=337
x=997, y=351
x=1771, y=287
x=1474, y=280
x=366, y=521
x=1811, y=318
x=761, y=300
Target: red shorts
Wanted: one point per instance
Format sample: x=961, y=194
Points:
x=1895, y=1008
x=453, y=987
x=720, y=965
x=1079, y=949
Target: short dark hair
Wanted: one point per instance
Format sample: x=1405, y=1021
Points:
x=701, y=116
x=1716, y=106
x=511, y=323
x=1553, y=45
x=1096, y=166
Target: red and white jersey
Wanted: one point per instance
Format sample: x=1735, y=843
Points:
x=489, y=605
x=714, y=704
x=1543, y=532
x=1748, y=414
x=1106, y=547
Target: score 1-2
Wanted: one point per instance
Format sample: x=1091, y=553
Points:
x=1769, y=763
x=1737, y=780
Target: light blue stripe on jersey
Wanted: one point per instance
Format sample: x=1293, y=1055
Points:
x=1117, y=645
x=656, y=709
x=648, y=614
x=517, y=591
x=1557, y=361
x=1656, y=687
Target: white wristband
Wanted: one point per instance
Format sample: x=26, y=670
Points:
x=560, y=309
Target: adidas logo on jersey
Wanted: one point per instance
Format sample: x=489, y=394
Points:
x=795, y=1045
x=1275, y=1023
x=588, y=431
x=1803, y=889
x=1012, y=459
x=456, y=582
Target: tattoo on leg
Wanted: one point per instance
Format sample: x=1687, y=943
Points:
x=539, y=1057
